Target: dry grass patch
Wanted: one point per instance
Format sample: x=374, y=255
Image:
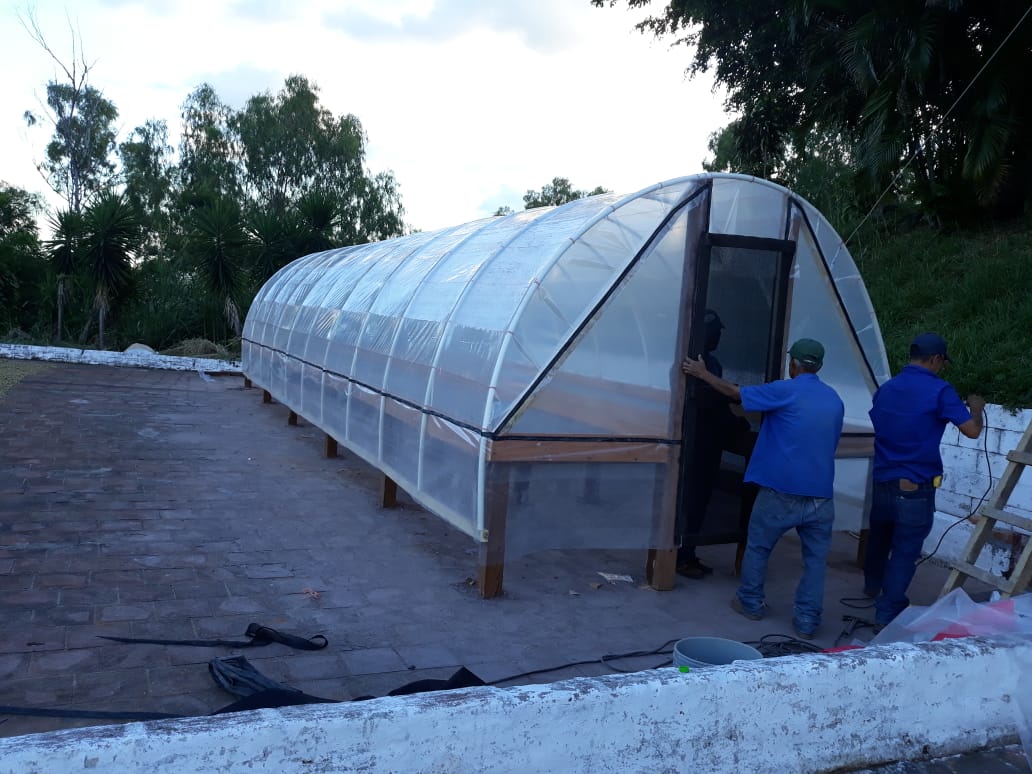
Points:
x=13, y=371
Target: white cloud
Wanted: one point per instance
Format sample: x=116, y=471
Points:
x=542, y=25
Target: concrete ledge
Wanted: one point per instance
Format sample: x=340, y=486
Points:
x=135, y=359
x=800, y=714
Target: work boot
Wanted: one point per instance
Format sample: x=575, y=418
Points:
x=694, y=569
x=803, y=633
x=736, y=605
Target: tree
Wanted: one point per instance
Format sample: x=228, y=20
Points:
x=77, y=164
x=110, y=238
x=21, y=263
x=208, y=154
x=147, y=176
x=217, y=245
x=292, y=147
x=559, y=191
x=64, y=250
x=902, y=81
x=821, y=167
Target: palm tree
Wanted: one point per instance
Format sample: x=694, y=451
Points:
x=318, y=214
x=217, y=243
x=63, y=249
x=271, y=239
x=111, y=235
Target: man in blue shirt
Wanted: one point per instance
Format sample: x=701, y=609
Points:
x=794, y=465
x=909, y=415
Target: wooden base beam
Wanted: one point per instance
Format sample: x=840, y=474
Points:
x=266, y=396
x=331, y=446
x=292, y=418
x=247, y=383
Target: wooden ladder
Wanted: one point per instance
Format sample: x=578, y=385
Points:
x=991, y=514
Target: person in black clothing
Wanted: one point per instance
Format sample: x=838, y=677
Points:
x=714, y=425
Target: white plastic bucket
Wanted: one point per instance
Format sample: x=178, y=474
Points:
x=701, y=652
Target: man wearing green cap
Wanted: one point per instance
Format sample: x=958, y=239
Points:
x=793, y=464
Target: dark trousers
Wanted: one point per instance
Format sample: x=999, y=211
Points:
x=900, y=522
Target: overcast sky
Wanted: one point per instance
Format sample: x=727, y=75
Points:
x=468, y=102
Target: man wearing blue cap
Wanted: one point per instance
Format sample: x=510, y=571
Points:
x=793, y=463
x=909, y=415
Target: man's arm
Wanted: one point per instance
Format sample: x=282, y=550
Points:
x=973, y=427
x=697, y=368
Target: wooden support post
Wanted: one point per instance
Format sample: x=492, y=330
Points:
x=292, y=418
x=660, y=568
x=491, y=560
x=390, y=493
x=331, y=446
x=661, y=563
x=266, y=396
x=247, y=383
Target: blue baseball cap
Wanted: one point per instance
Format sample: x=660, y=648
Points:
x=927, y=345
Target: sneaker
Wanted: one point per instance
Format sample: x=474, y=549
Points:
x=872, y=593
x=803, y=634
x=694, y=569
x=736, y=605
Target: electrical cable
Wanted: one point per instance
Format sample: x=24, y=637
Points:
x=774, y=645
x=989, y=467
x=867, y=602
x=935, y=128
x=604, y=660
x=769, y=646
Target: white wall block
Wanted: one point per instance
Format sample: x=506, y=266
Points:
x=795, y=713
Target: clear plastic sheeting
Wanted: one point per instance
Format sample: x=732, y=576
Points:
x=582, y=505
x=526, y=367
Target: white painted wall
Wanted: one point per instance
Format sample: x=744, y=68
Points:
x=133, y=358
x=967, y=479
x=797, y=713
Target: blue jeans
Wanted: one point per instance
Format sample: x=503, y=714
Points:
x=900, y=522
x=773, y=514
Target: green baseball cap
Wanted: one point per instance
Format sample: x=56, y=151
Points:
x=808, y=352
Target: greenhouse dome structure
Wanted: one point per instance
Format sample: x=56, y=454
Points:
x=519, y=376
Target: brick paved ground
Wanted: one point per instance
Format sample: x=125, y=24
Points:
x=158, y=504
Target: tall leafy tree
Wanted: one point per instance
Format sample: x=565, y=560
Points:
x=208, y=154
x=939, y=85
x=147, y=177
x=77, y=164
x=21, y=261
x=292, y=147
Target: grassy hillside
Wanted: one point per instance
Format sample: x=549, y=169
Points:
x=972, y=287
